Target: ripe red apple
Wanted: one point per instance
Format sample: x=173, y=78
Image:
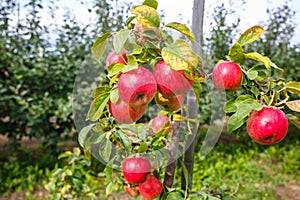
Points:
x=267, y=126
x=137, y=87
x=114, y=57
x=136, y=169
x=151, y=188
x=227, y=75
x=171, y=103
x=132, y=191
x=159, y=123
x=124, y=113
x=171, y=82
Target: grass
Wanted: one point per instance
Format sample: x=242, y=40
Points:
x=247, y=170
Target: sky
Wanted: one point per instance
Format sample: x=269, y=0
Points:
x=252, y=13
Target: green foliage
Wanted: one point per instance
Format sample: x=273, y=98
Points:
x=16, y=176
x=38, y=70
x=279, y=29
x=74, y=180
x=246, y=171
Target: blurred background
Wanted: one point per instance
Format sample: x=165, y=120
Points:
x=43, y=47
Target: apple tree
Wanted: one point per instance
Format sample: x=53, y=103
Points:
x=138, y=122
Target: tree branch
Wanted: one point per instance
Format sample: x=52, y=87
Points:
x=173, y=150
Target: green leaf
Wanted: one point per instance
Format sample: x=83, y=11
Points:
x=114, y=96
x=236, y=54
x=197, y=87
x=250, y=35
x=120, y=39
x=115, y=69
x=293, y=105
x=234, y=122
x=109, y=189
x=95, y=138
x=131, y=64
x=151, y=3
x=101, y=98
x=293, y=87
x=294, y=120
x=105, y=148
x=187, y=176
x=175, y=196
x=150, y=34
x=146, y=15
x=143, y=147
x=229, y=106
x=182, y=28
x=100, y=45
x=180, y=56
x=252, y=74
x=244, y=105
x=259, y=58
x=124, y=140
x=83, y=134
x=276, y=67
x=128, y=127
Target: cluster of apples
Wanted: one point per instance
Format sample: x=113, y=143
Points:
x=137, y=170
x=266, y=126
x=138, y=87
x=138, y=178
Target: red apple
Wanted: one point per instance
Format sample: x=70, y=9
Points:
x=171, y=82
x=136, y=169
x=227, y=75
x=137, y=87
x=171, y=103
x=114, y=57
x=151, y=188
x=132, y=191
x=124, y=113
x=159, y=123
x=267, y=126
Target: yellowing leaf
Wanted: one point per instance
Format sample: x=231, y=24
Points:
x=259, y=58
x=182, y=28
x=146, y=15
x=294, y=105
x=180, y=56
x=100, y=45
x=250, y=35
x=101, y=97
x=293, y=87
x=294, y=120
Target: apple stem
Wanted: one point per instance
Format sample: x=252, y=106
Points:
x=173, y=150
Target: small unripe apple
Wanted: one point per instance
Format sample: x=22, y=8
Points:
x=136, y=169
x=171, y=82
x=137, y=87
x=267, y=126
x=132, y=191
x=227, y=75
x=151, y=188
x=124, y=113
x=114, y=57
x=159, y=123
x=170, y=104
